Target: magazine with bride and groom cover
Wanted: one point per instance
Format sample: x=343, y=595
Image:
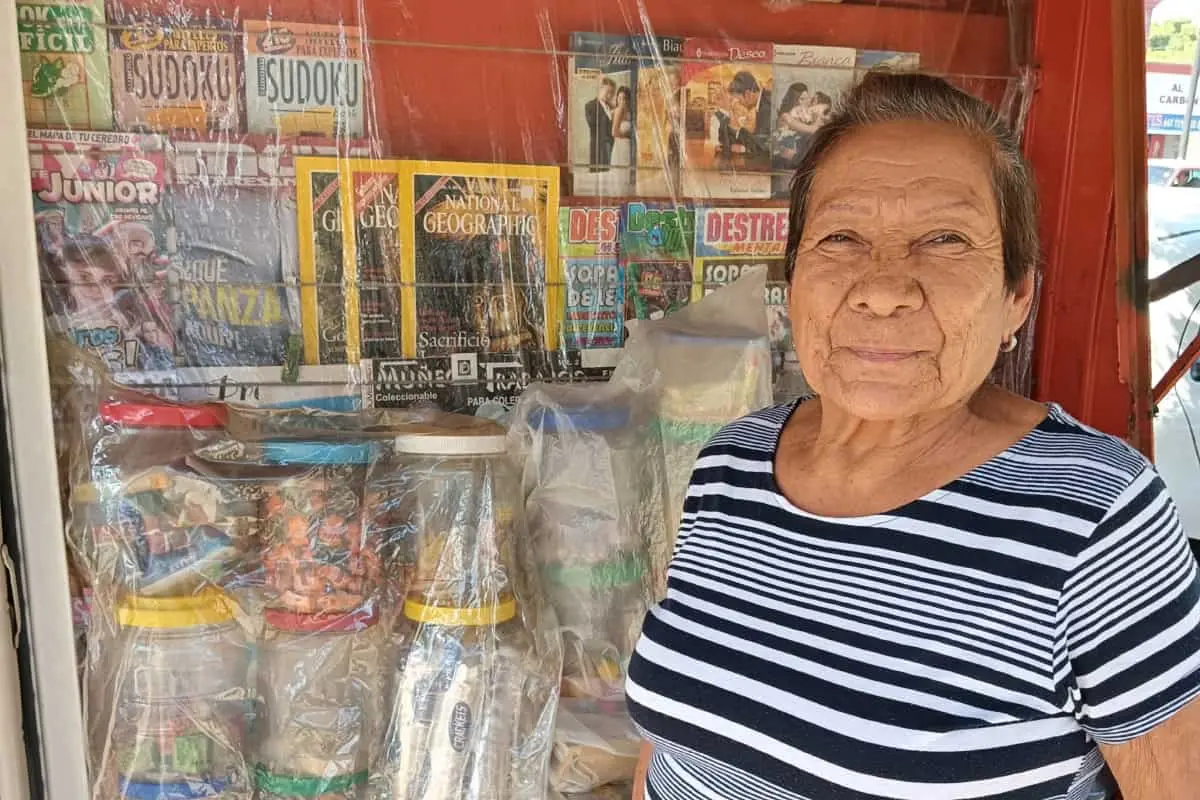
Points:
x=601, y=114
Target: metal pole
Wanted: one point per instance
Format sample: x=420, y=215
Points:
x=53, y=692
x=1191, y=101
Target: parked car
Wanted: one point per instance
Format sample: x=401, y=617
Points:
x=1173, y=202
x=1174, y=172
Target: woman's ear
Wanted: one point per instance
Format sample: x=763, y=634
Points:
x=1021, y=299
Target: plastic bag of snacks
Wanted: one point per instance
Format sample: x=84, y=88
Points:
x=477, y=677
x=595, y=747
x=579, y=448
x=703, y=367
x=613, y=791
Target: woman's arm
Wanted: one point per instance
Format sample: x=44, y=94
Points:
x=1162, y=765
x=639, y=774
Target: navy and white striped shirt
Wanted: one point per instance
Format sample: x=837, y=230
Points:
x=975, y=643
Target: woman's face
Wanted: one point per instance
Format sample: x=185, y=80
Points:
x=622, y=99
x=898, y=303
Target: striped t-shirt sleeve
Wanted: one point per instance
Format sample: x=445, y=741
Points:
x=1130, y=617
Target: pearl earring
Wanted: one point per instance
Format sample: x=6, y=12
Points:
x=1009, y=345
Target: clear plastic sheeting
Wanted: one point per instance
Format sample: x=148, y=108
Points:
x=297, y=603
x=171, y=698
x=360, y=204
x=699, y=369
x=320, y=679
x=280, y=242
x=596, y=748
x=581, y=448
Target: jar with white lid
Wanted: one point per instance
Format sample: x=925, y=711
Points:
x=478, y=670
x=461, y=494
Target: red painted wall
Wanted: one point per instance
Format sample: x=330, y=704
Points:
x=480, y=80
x=1092, y=350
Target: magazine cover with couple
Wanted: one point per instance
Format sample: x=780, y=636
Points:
x=601, y=105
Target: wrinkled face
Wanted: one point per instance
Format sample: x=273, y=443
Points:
x=898, y=302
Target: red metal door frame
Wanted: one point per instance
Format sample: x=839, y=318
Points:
x=1086, y=140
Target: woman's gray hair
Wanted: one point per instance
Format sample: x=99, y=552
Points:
x=896, y=96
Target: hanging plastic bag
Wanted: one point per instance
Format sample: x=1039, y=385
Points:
x=579, y=448
x=702, y=367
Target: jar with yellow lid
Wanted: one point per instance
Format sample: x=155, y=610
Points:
x=479, y=665
x=178, y=689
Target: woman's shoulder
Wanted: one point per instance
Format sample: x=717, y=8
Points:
x=1066, y=461
x=1064, y=436
x=756, y=431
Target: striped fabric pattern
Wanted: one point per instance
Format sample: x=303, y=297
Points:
x=975, y=643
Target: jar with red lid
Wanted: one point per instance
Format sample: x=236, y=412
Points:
x=320, y=680
x=147, y=522
x=134, y=435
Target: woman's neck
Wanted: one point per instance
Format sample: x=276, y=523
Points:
x=830, y=462
x=843, y=444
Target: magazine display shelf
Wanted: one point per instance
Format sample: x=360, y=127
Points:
x=501, y=92
x=465, y=80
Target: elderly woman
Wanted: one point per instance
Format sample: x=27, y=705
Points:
x=919, y=585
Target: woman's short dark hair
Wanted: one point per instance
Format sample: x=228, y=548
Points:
x=894, y=97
